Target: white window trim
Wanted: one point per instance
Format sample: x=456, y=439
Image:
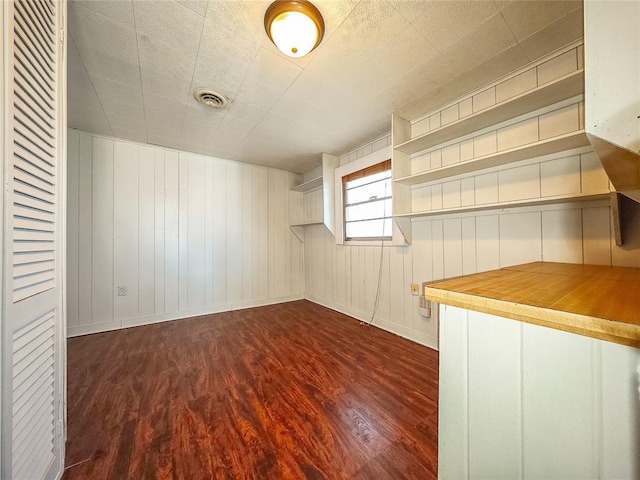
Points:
x=364, y=162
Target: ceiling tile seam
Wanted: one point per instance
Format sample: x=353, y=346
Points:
x=437, y=48
x=473, y=66
x=104, y=112
x=344, y=20
x=193, y=73
x=274, y=103
x=511, y=30
x=547, y=26
x=144, y=108
x=128, y=85
x=400, y=13
x=193, y=11
x=94, y=12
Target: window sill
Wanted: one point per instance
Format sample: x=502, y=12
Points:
x=368, y=243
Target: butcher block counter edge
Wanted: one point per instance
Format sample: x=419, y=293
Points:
x=591, y=300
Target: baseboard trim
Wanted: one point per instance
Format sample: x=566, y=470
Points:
x=168, y=317
x=80, y=330
x=414, y=336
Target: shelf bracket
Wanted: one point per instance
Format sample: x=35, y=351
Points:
x=404, y=226
x=298, y=232
x=616, y=213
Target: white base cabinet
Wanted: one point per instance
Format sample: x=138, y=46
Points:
x=521, y=401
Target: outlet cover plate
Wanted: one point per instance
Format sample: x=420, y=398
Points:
x=415, y=289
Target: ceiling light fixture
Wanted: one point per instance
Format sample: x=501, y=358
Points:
x=296, y=27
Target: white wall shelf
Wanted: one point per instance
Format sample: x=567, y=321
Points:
x=552, y=92
x=537, y=149
x=312, y=202
x=307, y=224
x=308, y=186
x=506, y=205
x=519, y=141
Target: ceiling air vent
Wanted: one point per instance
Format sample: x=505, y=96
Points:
x=210, y=98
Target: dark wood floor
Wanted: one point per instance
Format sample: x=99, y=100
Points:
x=289, y=391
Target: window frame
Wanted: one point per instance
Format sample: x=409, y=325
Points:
x=366, y=161
x=384, y=166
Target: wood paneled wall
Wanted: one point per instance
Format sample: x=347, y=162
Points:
x=184, y=233
x=524, y=401
x=346, y=277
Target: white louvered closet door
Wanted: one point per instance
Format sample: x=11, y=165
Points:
x=33, y=179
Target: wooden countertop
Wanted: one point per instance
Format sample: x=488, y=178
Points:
x=591, y=300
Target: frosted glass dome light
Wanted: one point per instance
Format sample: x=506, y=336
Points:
x=296, y=27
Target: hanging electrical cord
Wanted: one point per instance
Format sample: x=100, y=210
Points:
x=377, y=300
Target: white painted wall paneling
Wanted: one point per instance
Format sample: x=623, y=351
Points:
x=184, y=233
x=524, y=401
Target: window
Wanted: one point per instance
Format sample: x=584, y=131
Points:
x=367, y=203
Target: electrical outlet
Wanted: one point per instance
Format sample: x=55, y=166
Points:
x=122, y=291
x=415, y=289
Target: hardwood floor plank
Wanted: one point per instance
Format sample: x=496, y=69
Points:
x=288, y=391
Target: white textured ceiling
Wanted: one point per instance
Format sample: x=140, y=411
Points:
x=133, y=66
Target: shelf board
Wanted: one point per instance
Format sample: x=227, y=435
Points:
x=504, y=205
x=560, y=89
x=537, y=149
x=307, y=186
x=306, y=224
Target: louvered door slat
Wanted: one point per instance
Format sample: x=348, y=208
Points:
x=28, y=165
x=30, y=41
x=33, y=236
x=26, y=247
x=22, y=151
x=31, y=202
x=42, y=454
x=33, y=330
x=42, y=23
x=27, y=360
x=35, y=121
x=34, y=192
x=27, y=128
x=26, y=177
x=34, y=144
x=31, y=257
x=31, y=70
x=26, y=29
x=28, y=93
x=34, y=385
x=50, y=6
x=34, y=118
x=25, y=414
x=28, y=419
x=32, y=124
x=31, y=279
x=31, y=214
x=32, y=289
x=33, y=225
x=33, y=419
x=37, y=84
x=30, y=59
x=45, y=16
